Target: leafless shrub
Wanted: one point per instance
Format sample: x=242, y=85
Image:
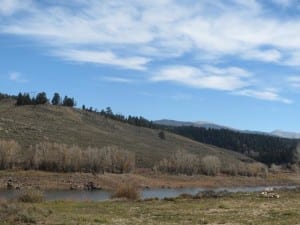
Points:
x=127, y=190
x=51, y=156
x=56, y=157
x=180, y=162
x=9, y=154
x=252, y=169
x=30, y=196
x=62, y=158
x=229, y=169
x=211, y=165
x=117, y=160
x=275, y=168
x=257, y=169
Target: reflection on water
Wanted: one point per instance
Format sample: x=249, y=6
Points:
x=169, y=193
x=101, y=195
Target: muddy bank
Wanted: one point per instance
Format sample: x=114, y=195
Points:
x=88, y=181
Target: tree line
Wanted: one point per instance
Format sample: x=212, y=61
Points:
x=41, y=99
x=7, y=96
x=264, y=148
x=133, y=120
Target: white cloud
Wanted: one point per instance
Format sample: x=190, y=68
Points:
x=226, y=79
x=129, y=34
x=117, y=79
x=108, y=58
x=9, y=7
x=268, y=94
x=293, y=59
x=263, y=55
x=17, y=77
x=294, y=81
x=231, y=79
x=167, y=28
x=294, y=78
x=284, y=3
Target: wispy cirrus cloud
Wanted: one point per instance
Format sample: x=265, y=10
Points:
x=271, y=55
x=10, y=7
x=135, y=35
x=106, y=58
x=231, y=79
x=17, y=77
x=267, y=94
x=284, y=3
x=117, y=79
x=208, y=77
x=215, y=28
x=294, y=81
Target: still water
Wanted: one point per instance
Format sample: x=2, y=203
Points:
x=101, y=195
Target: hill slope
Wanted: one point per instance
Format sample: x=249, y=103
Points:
x=30, y=125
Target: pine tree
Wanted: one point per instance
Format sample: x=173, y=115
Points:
x=56, y=100
x=41, y=98
x=23, y=99
x=162, y=135
x=68, y=102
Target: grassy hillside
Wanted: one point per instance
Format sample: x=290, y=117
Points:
x=30, y=125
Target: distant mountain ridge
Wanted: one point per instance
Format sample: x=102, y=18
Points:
x=286, y=134
x=202, y=124
x=209, y=125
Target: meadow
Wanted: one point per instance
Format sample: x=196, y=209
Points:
x=240, y=208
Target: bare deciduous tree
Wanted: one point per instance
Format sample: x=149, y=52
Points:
x=63, y=158
x=180, y=162
x=9, y=154
x=211, y=165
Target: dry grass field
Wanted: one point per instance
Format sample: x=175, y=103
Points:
x=233, y=209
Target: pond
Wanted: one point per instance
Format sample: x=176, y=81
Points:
x=102, y=195
x=175, y=192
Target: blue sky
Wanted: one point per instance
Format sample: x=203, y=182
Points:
x=232, y=62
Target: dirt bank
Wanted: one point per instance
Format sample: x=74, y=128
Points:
x=66, y=181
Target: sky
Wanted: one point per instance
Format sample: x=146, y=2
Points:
x=231, y=62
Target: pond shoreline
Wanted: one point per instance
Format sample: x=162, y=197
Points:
x=145, y=194
x=88, y=181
